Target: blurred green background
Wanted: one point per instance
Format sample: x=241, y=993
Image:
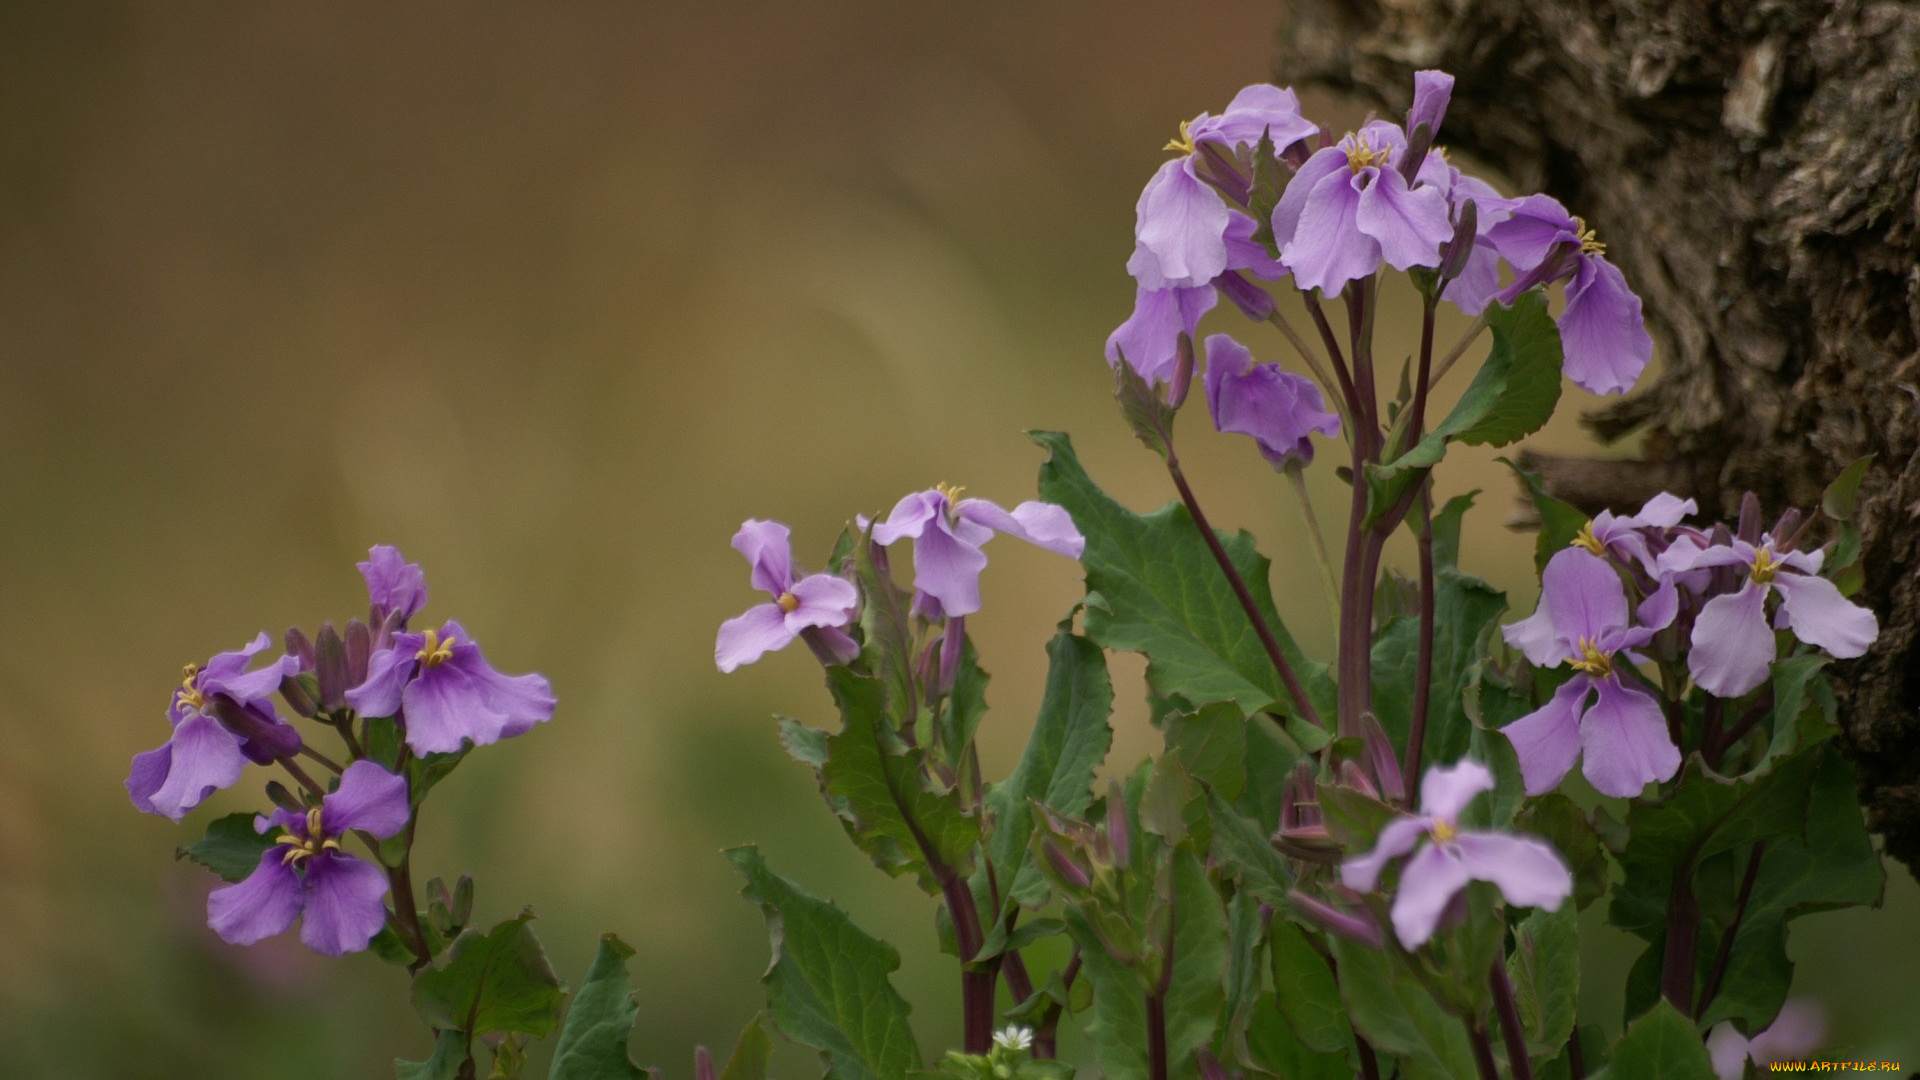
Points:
x=553, y=297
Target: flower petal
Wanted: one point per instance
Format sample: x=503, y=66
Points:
x=909, y=517
x=387, y=673
x=345, y=904
x=1149, y=340
x=1624, y=740
x=1547, y=740
x=1528, y=872
x=1732, y=644
x=1256, y=109
x=947, y=567
x=1605, y=337
x=1410, y=224
x=393, y=583
x=1276, y=408
x=1447, y=789
x=204, y=757
x=767, y=549
x=1325, y=162
x=149, y=772
x=1584, y=596
x=1534, y=226
x=369, y=798
x=1431, y=91
x=747, y=637
x=1181, y=224
x=1328, y=248
x=1041, y=524
x=1432, y=878
x=1818, y=615
x=1362, y=872
x=825, y=600
x=262, y=905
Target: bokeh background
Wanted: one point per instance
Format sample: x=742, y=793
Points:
x=553, y=297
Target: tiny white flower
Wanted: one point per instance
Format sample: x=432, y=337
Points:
x=1013, y=1037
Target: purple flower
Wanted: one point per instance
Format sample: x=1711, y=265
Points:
x=799, y=603
x=947, y=532
x=1432, y=90
x=396, y=587
x=1479, y=279
x=205, y=753
x=1527, y=871
x=1277, y=408
x=1162, y=324
x=307, y=871
x=1582, y=622
x=1625, y=538
x=1733, y=643
x=1605, y=339
x=445, y=692
x=1349, y=207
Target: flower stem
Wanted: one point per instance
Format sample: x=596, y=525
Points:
x=1683, y=936
x=1459, y=349
x=1369, y=1064
x=1046, y=1028
x=1518, y=1063
x=1482, y=1050
x=1297, y=479
x=1423, y=666
x=1724, y=951
x=1303, y=707
x=324, y=761
x=305, y=780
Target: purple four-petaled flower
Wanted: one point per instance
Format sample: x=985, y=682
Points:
x=444, y=690
x=1625, y=537
x=1350, y=208
x=1733, y=643
x=815, y=601
x=1582, y=622
x=205, y=754
x=1527, y=871
x=307, y=872
x=1601, y=331
x=947, y=532
x=1278, y=409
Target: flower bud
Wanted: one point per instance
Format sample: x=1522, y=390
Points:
x=1253, y=301
x=952, y=648
x=301, y=693
x=1068, y=871
x=1749, y=529
x=702, y=1064
x=299, y=647
x=463, y=900
x=1381, y=760
x=1119, y=834
x=286, y=800
x=330, y=668
x=1455, y=252
x=360, y=648
x=1348, y=925
x=1182, y=378
x=264, y=739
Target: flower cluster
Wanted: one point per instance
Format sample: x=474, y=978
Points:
x=435, y=690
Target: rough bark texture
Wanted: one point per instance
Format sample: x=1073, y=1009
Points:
x=1754, y=166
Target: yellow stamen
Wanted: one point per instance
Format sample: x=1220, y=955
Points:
x=1442, y=831
x=788, y=602
x=434, y=652
x=302, y=848
x=1765, y=565
x=1183, y=144
x=1362, y=155
x=952, y=492
x=1592, y=660
x=189, y=696
x=1586, y=539
x=1588, y=245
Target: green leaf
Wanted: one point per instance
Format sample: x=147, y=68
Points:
x=751, y=1052
x=1399, y=1017
x=229, y=848
x=1545, y=971
x=965, y=707
x=1842, y=497
x=1802, y=707
x=1554, y=818
x=1069, y=741
x=1148, y=416
x=876, y=786
x=1305, y=991
x=593, y=1042
x=1242, y=850
x=491, y=983
x=1153, y=588
x=1466, y=611
x=1560, y=521
x=1446, y=529
x=1195, y=994
x=1661, y=1045
x=828, y=985
x=1211, y=744
x=449, y=1053
x=1512, y=396
x=1246, y=966
x=1116, y=1025
x=1835, y=866
x=886, y=640
x=1273, y=1049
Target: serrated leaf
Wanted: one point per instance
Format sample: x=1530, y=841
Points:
x=1195, y=993
x=828, y=985
x=490, y=983
x=1147, y=415
x=1153, y=588
x=229, y=848
x=593, y=1042
x=1545, y=971
x=1661, y=1045
x=1446, y=529
x=1399, y=1017
x=1070, y=739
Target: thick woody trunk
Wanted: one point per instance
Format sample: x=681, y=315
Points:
x=1754, y=167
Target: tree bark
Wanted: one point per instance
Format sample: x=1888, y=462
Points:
x=1754, y=168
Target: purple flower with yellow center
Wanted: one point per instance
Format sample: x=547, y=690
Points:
x=947, y=532
x=1601, y=329
x=396, y=587
x=1625, y=537
x=1350, y=208
x=1526, y=870
x=800, y=604
x=1733, y=642
x=1278, y=409
x=1582, y=622
x=445, y=693
x=222, y=717
x=306, y=872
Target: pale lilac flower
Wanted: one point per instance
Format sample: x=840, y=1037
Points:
x=396, y=587
x=1733, y=643
x=947, y=532
x=1794, y=1034
x=205, y=754
x=1432, y=91
x=1601, y=329
x=1349, y=208
x=1625, y=537
x=1582, y=622
x=1527, y=871
x=1161, y=326
x=1479, y=278
x=444, y=692
x=799, y=603
x=307, y=871
x=1276, y=408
